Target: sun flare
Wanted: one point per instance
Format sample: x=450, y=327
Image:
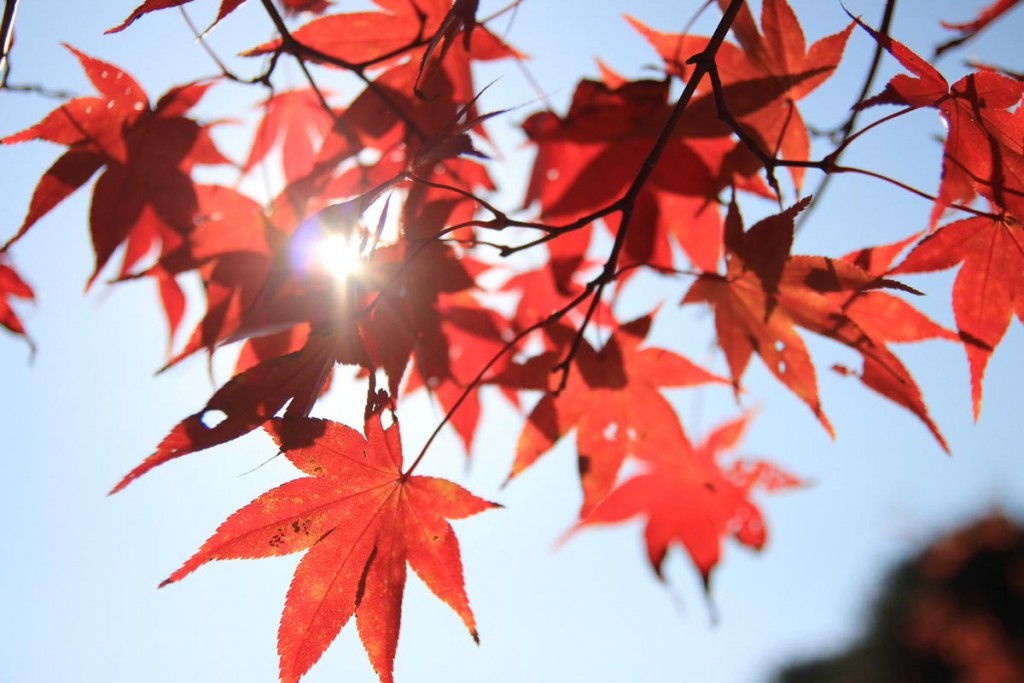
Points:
x=340, y=256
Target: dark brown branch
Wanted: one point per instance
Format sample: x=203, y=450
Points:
x=704, y=63
x=625, y=204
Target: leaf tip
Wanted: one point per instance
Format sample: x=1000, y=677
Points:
x=825, y=422
x=141, y=469
x=127, y=479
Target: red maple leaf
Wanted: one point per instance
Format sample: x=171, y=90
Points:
x=688, y=497
x=230, y=247
x=298, y=121
x=399, y=30
x=144, y=197
x=226, y=8
x=253, y=397
x=780, y=61
x=461, y=18
x=372, y=37
x=612, y=398
x=747, y=314
x=762, y=78
x=473, y=337
x=989, y=288
x=588, y=158
x=886, y=318
x=984, y=149
x=361, y=519
x=766, y=293
x=404, y=317
x=12, y=286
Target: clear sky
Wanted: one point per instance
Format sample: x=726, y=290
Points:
x=79, y=570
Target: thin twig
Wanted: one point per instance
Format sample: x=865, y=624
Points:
x=475, y=383
x=6, y=38
x=704, y=63
x=845, y=130
x=913, y=190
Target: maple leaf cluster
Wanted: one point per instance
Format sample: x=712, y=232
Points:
x=381, y=250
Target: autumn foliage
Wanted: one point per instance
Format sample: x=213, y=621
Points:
x=382, y=254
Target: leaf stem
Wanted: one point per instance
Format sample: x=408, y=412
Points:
x=475, y=383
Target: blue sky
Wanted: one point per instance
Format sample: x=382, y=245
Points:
x=79, y=570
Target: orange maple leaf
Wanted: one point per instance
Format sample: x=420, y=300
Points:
x=766, y=294
x=613, y=399
x=687, y=497
x=361, y=519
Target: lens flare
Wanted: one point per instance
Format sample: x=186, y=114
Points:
x=339, y=255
